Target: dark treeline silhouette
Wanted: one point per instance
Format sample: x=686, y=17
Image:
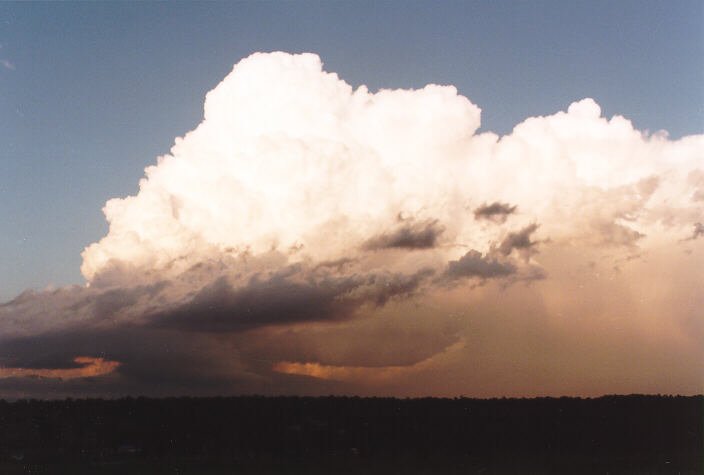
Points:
x=662, y=433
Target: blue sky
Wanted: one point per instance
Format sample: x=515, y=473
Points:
x=90, y=94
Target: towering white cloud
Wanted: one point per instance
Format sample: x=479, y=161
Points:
x=306, y=227
x=289, y=156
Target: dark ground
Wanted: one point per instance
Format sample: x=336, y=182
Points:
x=350, y=435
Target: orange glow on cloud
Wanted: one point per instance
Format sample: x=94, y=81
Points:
x=92, y=367
x=362, y=373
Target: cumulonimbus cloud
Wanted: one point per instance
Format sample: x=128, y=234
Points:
x=303, y=217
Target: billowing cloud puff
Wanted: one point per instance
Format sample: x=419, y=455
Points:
x=311, y=237
x=408, y=236
x=519, y=240
x=289, y=156
x=494, y=212
x=698, y=231
x=474, y=264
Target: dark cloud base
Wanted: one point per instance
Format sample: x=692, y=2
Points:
x=193, y=347
x=519, y=240
x=279, y=300
x=423, y=235
x=496, y=211
x=474, y=264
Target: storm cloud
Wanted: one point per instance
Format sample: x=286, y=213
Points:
x=308, y=237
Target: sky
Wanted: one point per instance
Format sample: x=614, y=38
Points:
x=376, y=198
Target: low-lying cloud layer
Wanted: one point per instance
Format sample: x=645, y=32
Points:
x=310, y=238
